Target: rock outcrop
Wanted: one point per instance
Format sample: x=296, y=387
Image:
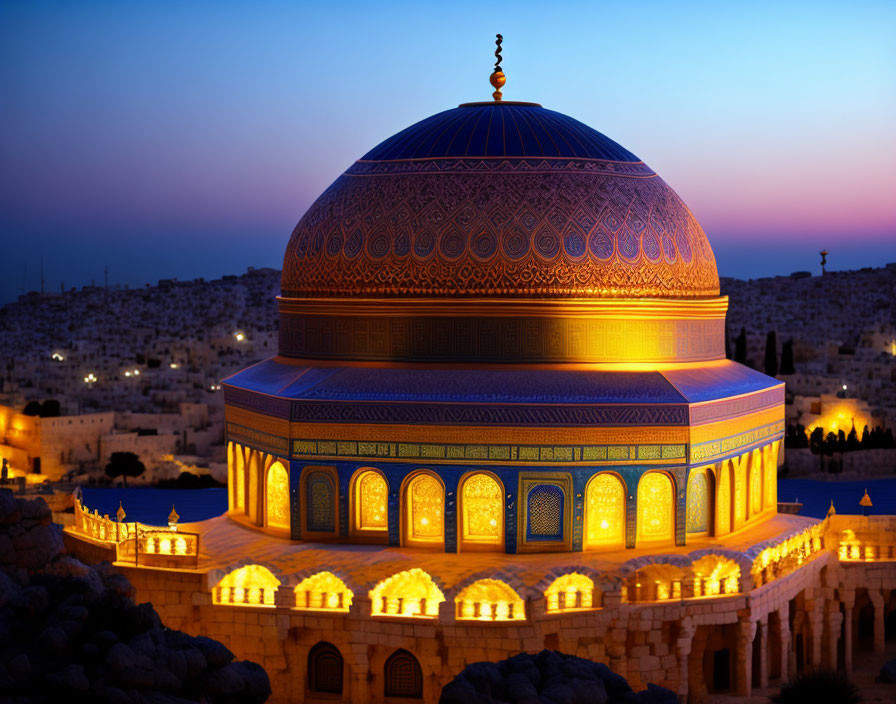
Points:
x=73, y=631
x=547, y=678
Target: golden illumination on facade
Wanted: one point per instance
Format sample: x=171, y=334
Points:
x=605, y=511
x=723, y=499
x=425, y=498
x=239, y=479
x=654, y=583
x=570, y=592
x=740, y=490
x=755, y=482
x=489, y=600
x=323, y=591
x=770, y=469
x=715, y=575
x=370, y=502
x=409, y=593
x=277, y=497
x=656, y=508
x=788, y=555
x=252, y=585
x=482, y=510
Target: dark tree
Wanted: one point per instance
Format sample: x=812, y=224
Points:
x=841, y=441
x=787, y=358
x=727, y=342
x=50, y=409
x=740, y=347
x=32, y=408
x=866, y=439
x=852, y=441
x=124, y=464
x=771, y=354
x=888, y=442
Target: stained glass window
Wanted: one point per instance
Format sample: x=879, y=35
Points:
x=544, y=512
x=605, y=511
x=656, y=506
x=723, y=505
x=698, y=502
x=277, y=497
x=320, y=503
x=370, y=502
x=756, y=482
x=483, y=515
x=426, y=511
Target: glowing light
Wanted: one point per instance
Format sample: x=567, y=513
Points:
x=425, y=509
x=489, y=600
x=605, y=511
x=239, y=335
x=91, y=378
x=370, y=502
x=173, y=365
x=411, y=593
x=323, y=590
x=656, y=506
x=715, y=574
x=252, y=585
x=482, y=510
x=570, y=592
x=277, y=496
x=57, y=357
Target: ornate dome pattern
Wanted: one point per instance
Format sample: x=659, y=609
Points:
x=551, y=222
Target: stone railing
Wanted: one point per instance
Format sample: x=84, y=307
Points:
x=138, y=543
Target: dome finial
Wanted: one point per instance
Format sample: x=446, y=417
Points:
x=497, y=79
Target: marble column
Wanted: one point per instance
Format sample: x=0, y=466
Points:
x=784, y=642
x=746, y=630
x=762, y=635
x=834, y=622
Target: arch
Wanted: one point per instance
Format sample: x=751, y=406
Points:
x=424, y=510
x=570, y=592
x=251, y=585
x=489, y=600
x=370, y=503
x=276, y=496
x=700, y=501
x=320, y=497
x=770, y=470
x=403, y=676
x=755, y=482
x=605, y=511
x=481, y=512
x=656, y=508
x=325, y=668
x=323, y=590
x=654, y=582
x=545, y=512
x=723, y=499
x=739, y=465
x=253, y=477
x=408, y=593
x=715, y=575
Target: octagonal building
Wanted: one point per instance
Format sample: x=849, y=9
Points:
x=501, y=331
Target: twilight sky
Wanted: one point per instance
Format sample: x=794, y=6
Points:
x=185, y=139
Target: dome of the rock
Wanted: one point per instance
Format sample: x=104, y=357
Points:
x=499, y=200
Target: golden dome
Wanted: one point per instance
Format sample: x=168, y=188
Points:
x=499, y=199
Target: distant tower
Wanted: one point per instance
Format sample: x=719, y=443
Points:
x=824, y=260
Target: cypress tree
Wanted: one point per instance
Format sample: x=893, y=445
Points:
x=740, y=347
x=771, y=354
x=787, y=358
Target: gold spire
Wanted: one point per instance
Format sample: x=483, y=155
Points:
x=832, y=511
x=120, y=514
x=866, y=500
x=173, y=518
x=497, y=79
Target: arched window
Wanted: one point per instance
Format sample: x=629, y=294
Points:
x=276, y=501
x=424, y=510
x=656, y=508
x=544, y=512
x=252, y=585
x=370, y=495
x=570, y=592
x=325, y=669
x=700, y=501
x=482, y=511
x=770, y=467
x=253, y=477
x=403, y=676
x=320, y=502
x=489, y=600
x=408, y=593
x=755, y=482
x=740, y=490
x=239, y=478
x=604, y=511
x=723, y=503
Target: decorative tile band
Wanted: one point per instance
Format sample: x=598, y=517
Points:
x=717, y=448
x=490, y=453
x=257, y=438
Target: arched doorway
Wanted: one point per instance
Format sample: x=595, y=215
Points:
x=403, y=676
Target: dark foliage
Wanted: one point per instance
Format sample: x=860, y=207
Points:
x=819, y=687
x=124, y=464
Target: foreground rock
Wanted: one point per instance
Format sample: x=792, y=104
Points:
x=547, y=678
x=73, y=630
